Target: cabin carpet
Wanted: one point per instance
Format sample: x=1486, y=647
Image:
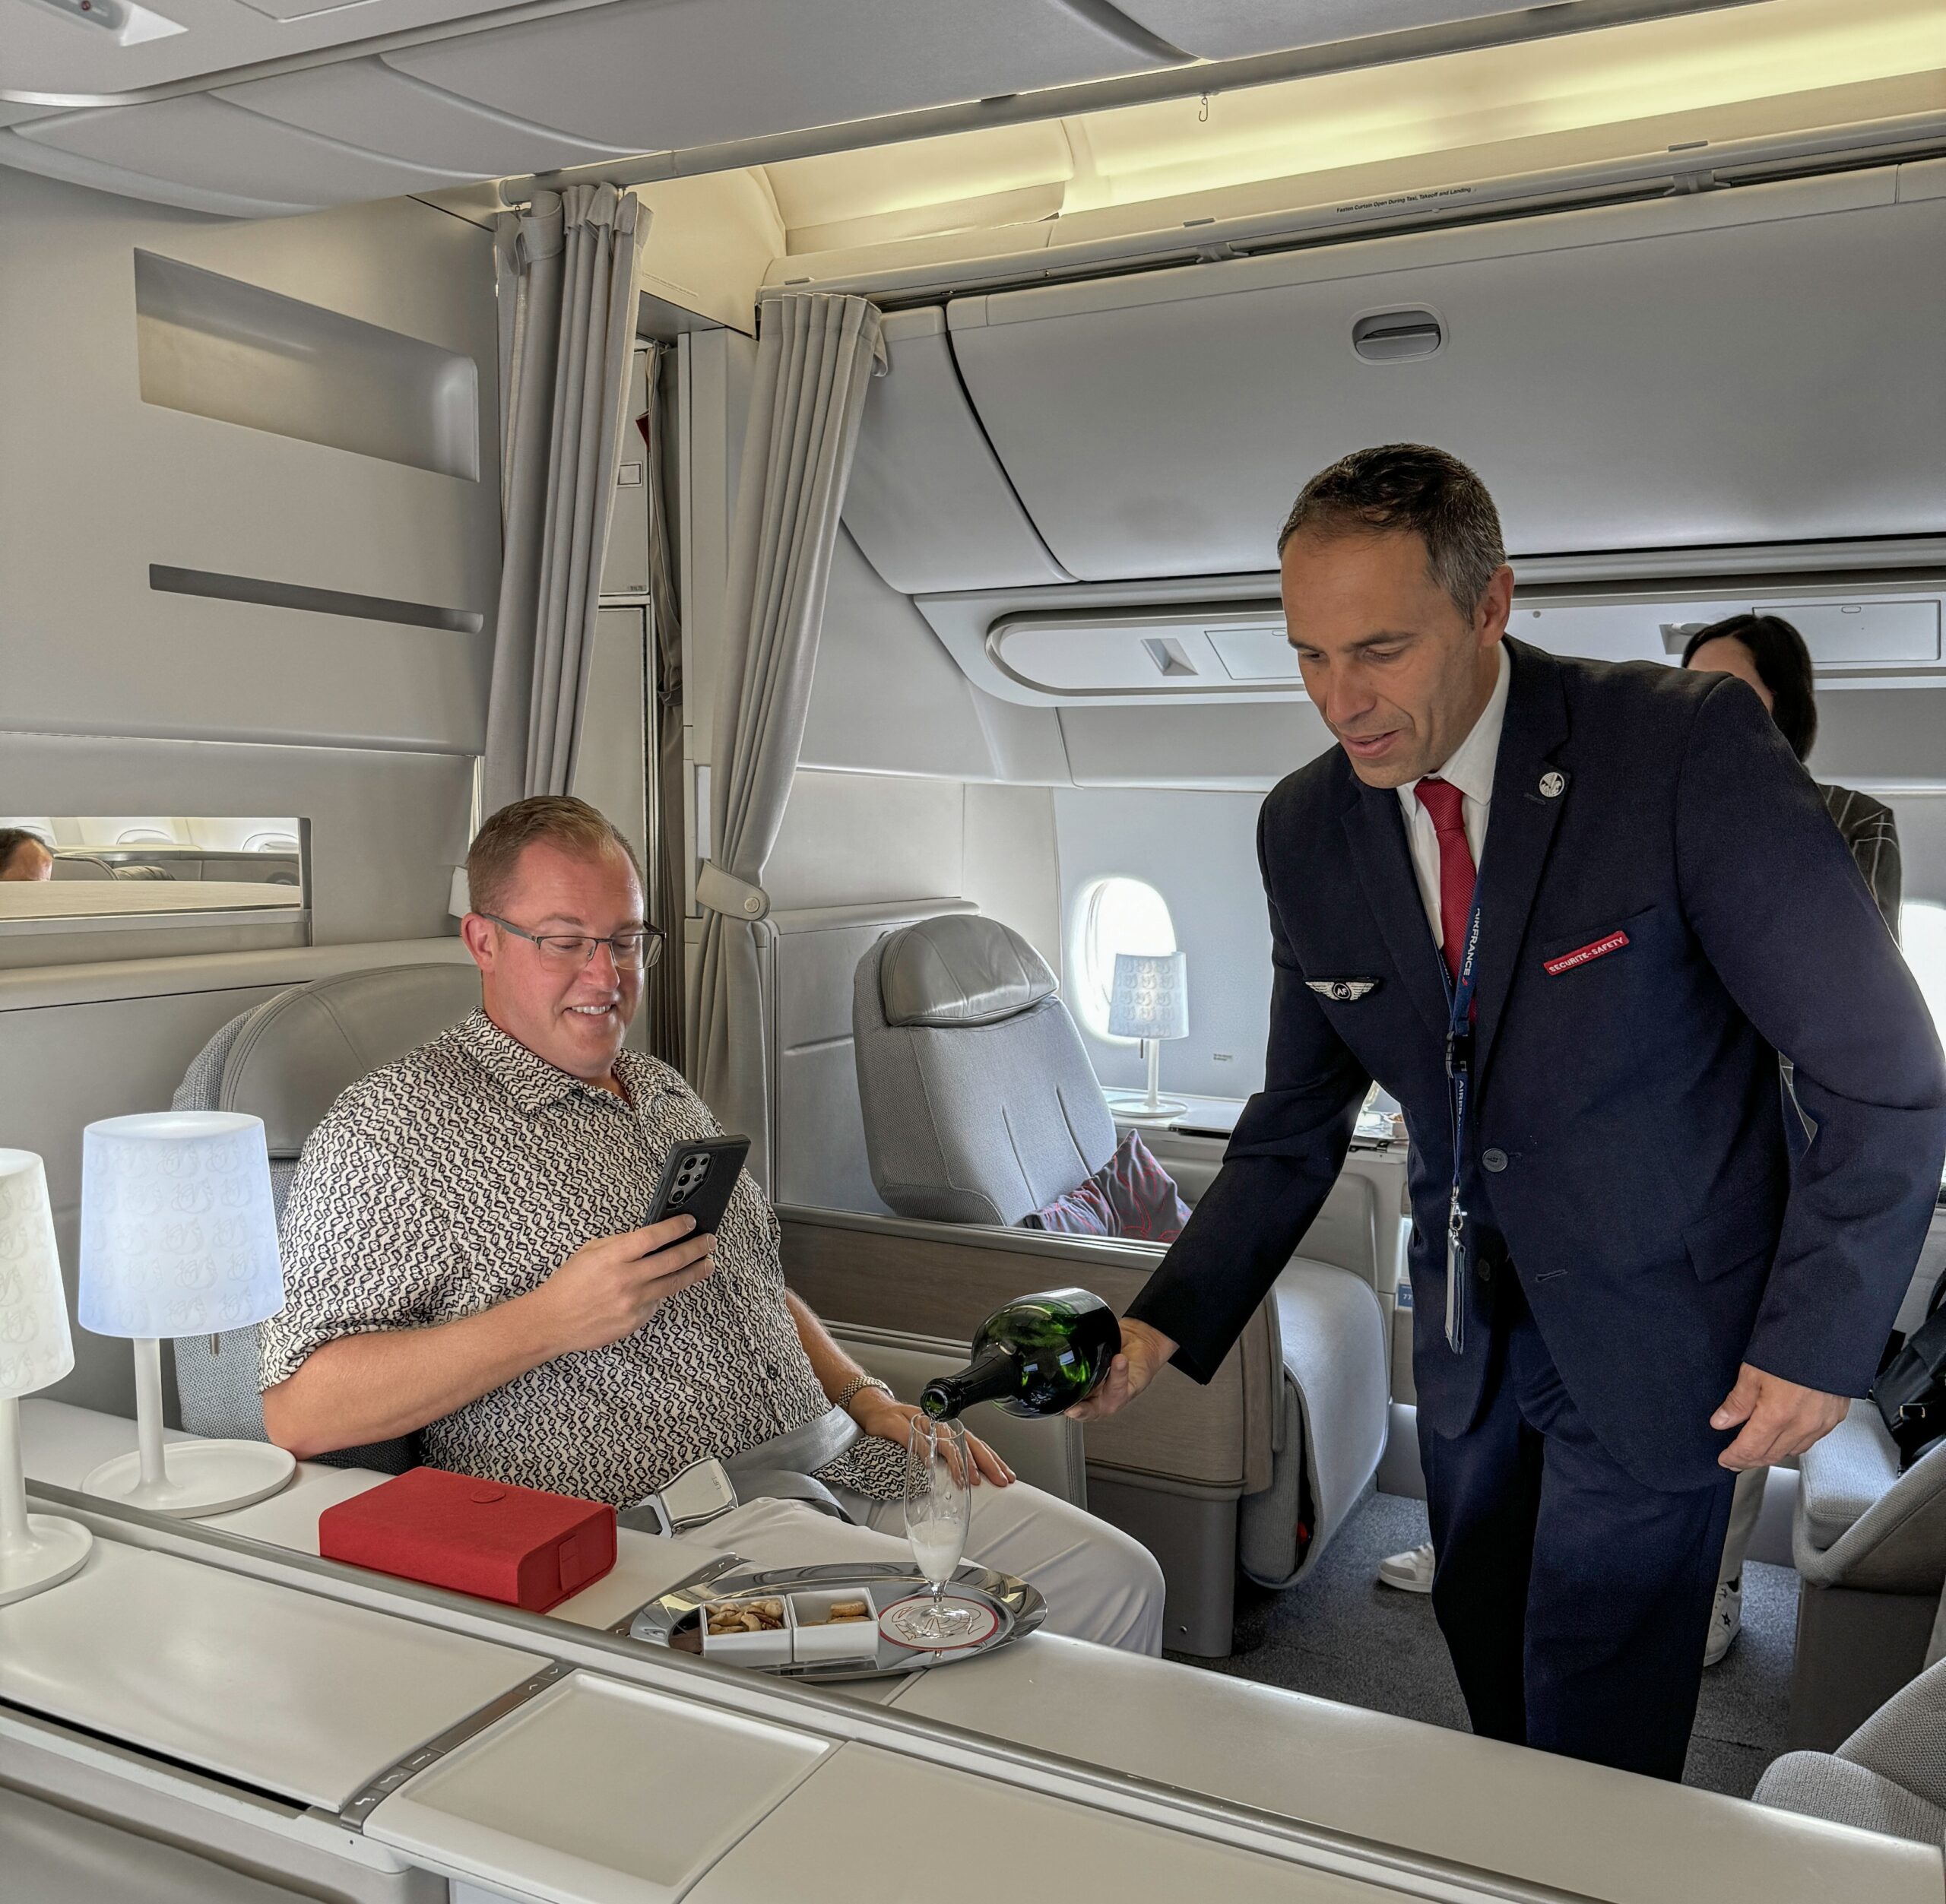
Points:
x=1341, y=1636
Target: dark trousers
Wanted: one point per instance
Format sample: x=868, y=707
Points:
x=1574, y=1600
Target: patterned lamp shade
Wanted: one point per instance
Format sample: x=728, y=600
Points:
x=36, y=1349
x=1151, y=996
x=179, y=1231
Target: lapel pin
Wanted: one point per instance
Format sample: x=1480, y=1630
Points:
x=1552, y=785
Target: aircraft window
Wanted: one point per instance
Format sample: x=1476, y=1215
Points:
x=144, y=885
x=1116, y=914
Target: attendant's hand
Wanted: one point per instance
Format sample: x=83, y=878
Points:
x=1144, y=1351
x=1779, y=1419
x=609, y=1287
x=878, y=1414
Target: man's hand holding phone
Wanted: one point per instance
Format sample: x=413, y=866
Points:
x=609, y=1287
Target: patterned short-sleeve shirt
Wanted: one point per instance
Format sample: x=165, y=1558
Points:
x=461, y=1177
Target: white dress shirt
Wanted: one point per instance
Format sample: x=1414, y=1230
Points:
x=1471, y=770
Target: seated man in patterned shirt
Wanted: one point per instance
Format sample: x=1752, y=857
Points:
x=462, y=1261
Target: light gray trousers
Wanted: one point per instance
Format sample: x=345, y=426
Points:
x=1745, y=1505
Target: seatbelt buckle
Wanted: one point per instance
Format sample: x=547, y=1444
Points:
x=702, y=1493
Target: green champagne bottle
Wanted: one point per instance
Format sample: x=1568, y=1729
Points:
x=1039, y=1355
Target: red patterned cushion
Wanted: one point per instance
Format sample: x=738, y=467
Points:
x=1131, y=1196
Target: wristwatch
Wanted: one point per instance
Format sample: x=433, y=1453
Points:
x=843, y=1398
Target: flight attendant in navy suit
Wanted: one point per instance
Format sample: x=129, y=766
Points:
x=1622, y=1293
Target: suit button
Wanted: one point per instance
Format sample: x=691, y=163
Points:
x=1494, y=1160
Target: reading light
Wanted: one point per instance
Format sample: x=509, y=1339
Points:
x=1150, y=1001
x=179, y=1238
x=36, y=1551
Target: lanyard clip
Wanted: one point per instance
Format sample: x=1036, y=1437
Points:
x=1458, y=1052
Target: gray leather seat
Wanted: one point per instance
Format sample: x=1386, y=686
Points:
x=981, y=1106
x=980, y=1103
x=286, y=1061
x=1889, y=1776
x=1870, y=1546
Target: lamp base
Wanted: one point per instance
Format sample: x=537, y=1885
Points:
x=199, y=1477
x=55, y=1551
x=1133, y=1108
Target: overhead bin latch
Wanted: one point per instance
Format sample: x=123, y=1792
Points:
x=1392, y=337
x=725, y=893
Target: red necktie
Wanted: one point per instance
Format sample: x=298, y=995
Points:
x=1443, y=801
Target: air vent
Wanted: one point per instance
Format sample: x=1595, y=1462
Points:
x=1234, y=650
x=1394, y=337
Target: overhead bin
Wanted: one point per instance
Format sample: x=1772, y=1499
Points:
x=928, y=502
x=654, y=74
x=1760, y=365
x=197, y=140
x=365, y=103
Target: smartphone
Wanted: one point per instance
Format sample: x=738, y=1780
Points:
x=697, y=1181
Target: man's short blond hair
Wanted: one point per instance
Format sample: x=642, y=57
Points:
x=558, y=819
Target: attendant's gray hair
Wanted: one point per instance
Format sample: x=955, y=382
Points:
x=1410, y=486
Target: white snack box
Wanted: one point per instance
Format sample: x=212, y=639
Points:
x=750, y=1649
x=813, y=1637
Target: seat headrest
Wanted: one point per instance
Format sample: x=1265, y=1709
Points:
x=297, y=1053
x=958, y=970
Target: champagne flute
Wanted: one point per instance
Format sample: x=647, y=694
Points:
x=939, y=1507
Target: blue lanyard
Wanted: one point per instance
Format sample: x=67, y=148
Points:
x=1459, y=1086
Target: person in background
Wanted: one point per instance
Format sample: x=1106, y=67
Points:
x=24, y=855
x=1770, y=654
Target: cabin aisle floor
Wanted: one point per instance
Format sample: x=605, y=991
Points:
x=1341, y=1636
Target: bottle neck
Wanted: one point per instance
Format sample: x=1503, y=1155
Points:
x=987, y=1380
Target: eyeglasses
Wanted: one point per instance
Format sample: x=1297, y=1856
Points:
x=570, y=951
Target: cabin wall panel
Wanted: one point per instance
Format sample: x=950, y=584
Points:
x=1922, y=819
x=1199, y=851
x=867, y=839
x=386, y=828
x=98, y=485
x=1012, y=863
x=886, y=697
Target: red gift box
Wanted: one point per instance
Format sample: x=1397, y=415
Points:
x=514, y=1545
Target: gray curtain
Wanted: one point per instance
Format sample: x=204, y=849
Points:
x=816, y=353
x=667, y=991
x=566, y=273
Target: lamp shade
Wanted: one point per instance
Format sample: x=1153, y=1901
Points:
x=1151, y=996
x=36, y=1349
x=179, y=1231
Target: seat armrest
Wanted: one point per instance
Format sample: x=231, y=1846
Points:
x=1841, y=1476
x=1889, y=1529
x=944, y=1280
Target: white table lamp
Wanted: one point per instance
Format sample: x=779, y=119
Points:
x=1150, y=1001
x=36, y=1551
x=179, y=1238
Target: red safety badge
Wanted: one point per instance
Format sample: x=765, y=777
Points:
x=1600, y=948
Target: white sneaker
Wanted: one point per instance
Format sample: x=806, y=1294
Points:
x=1410, y=1571
x=1726, y=1621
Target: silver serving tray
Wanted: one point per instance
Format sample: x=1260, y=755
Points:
x=673, y=1619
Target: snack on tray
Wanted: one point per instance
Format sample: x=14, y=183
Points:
x=849, y=1610
x=745, y=1616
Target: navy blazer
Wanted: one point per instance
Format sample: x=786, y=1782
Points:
x=1625, y=1140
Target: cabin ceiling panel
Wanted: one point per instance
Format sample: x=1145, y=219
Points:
x=928, y=501
x=200, y=141
x=1652, y=375
x=1235, y=28
x=366, y=104
x=650, y=75
x=43, y=50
